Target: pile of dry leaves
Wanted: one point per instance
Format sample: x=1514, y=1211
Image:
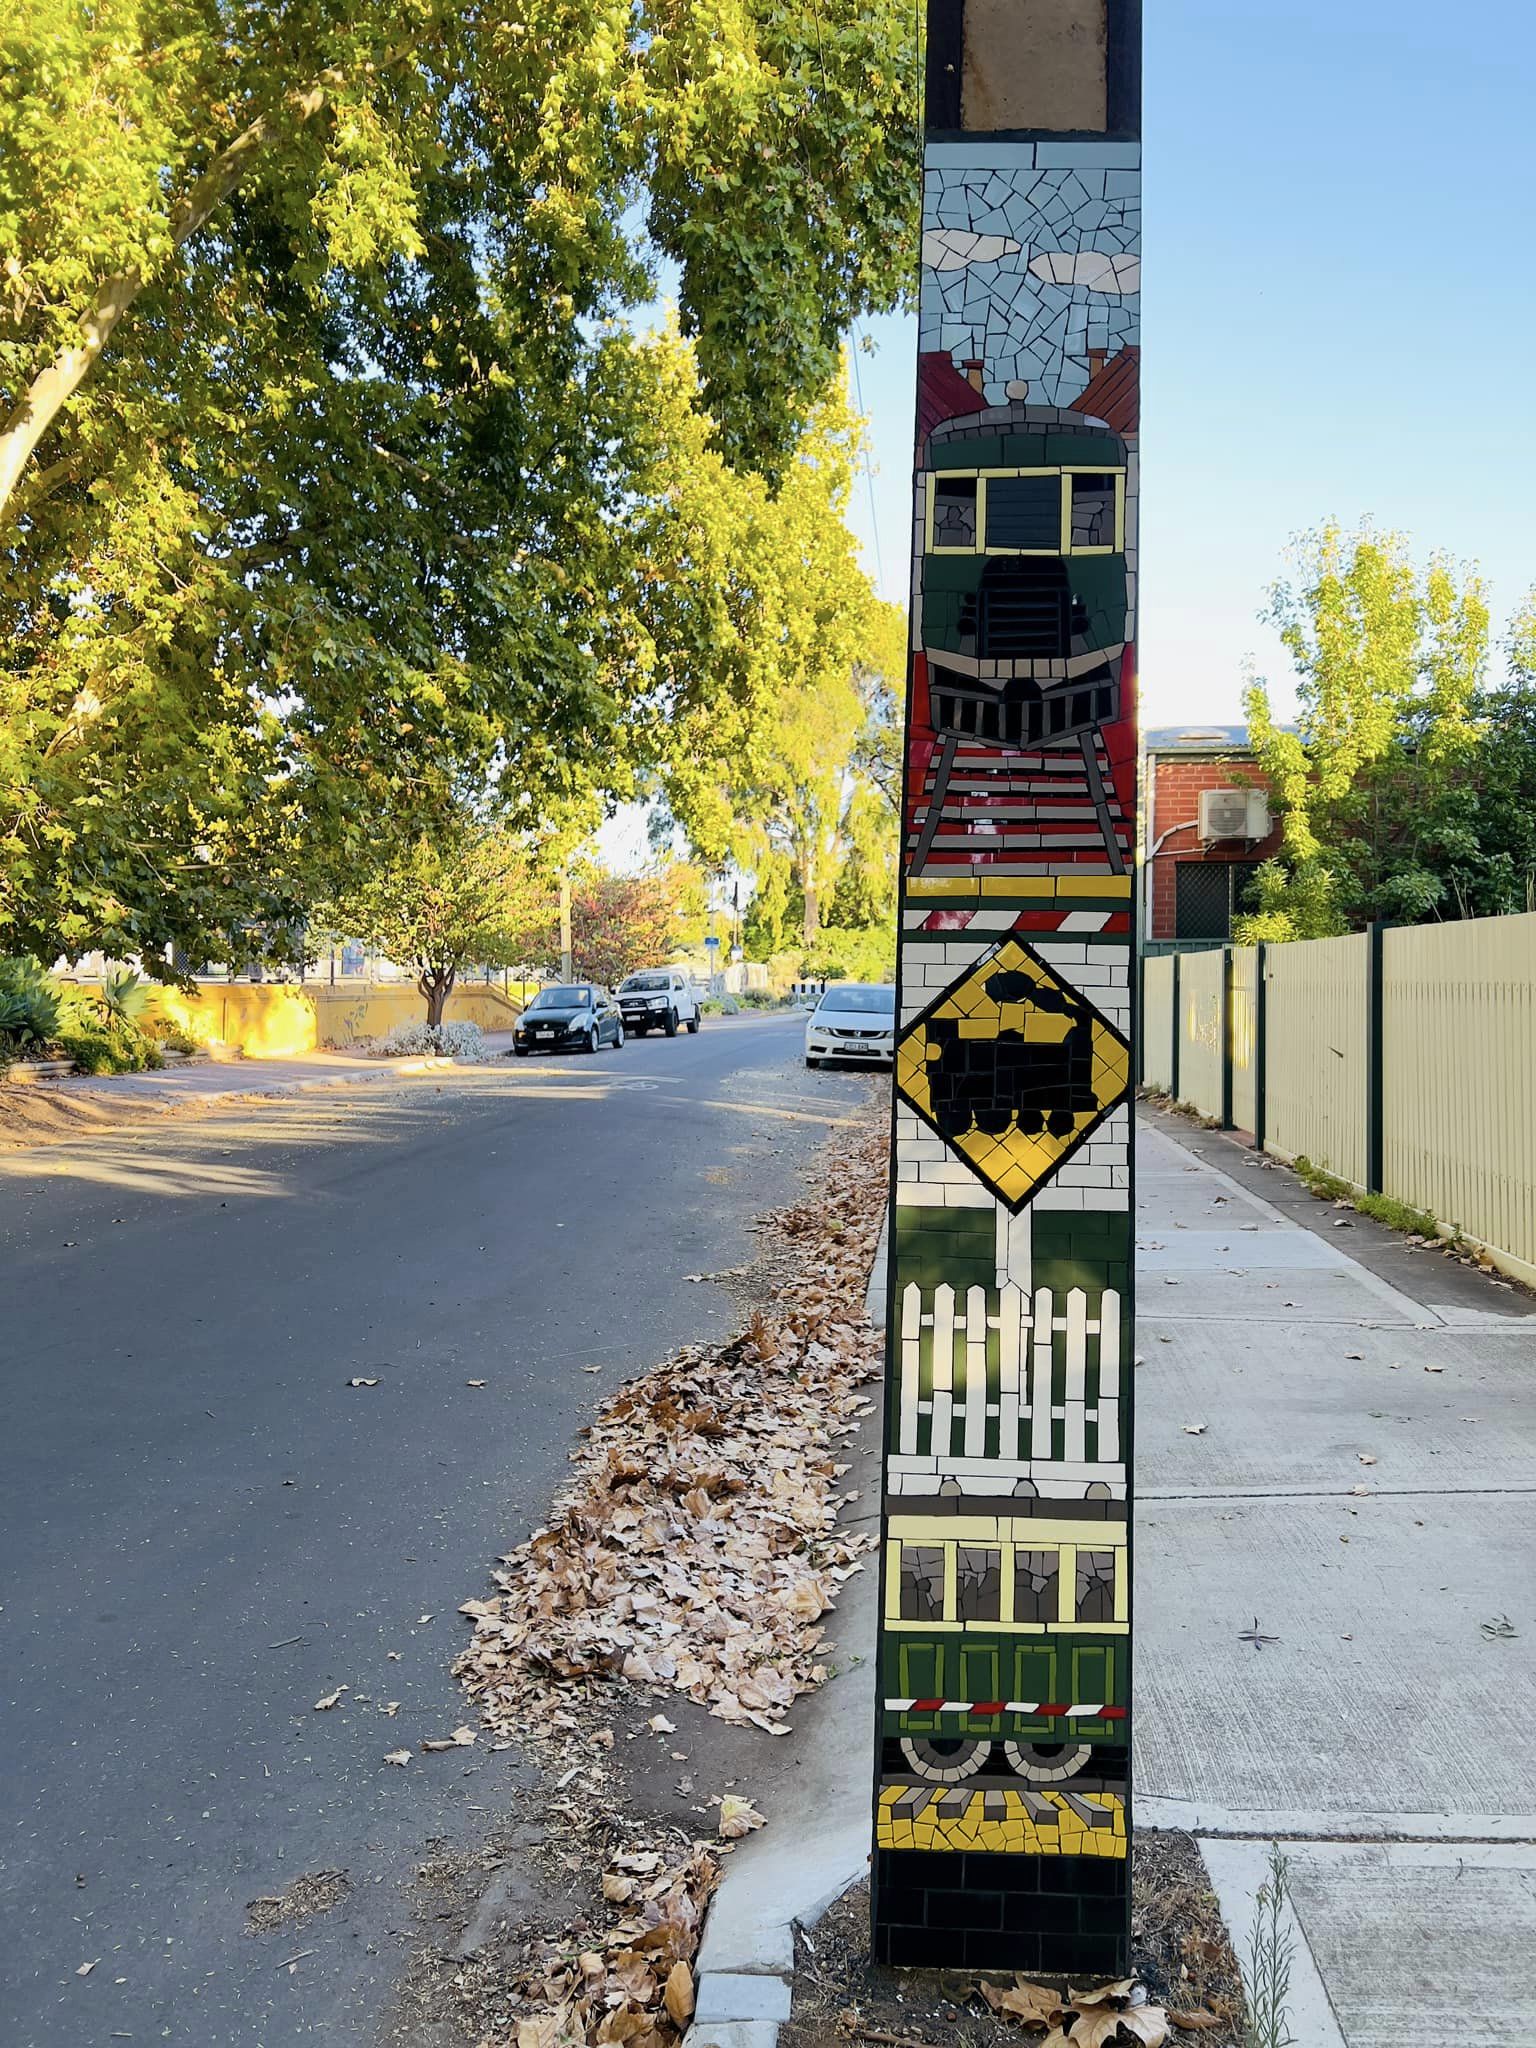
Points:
x=635, y=1985
x=697, y=1546
x=1113, y=2017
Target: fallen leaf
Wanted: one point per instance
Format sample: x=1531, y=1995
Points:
x=617, y=1888
x=678, y=1995
x=85, y=1969
x=1348, y=1354
x=1366, y=1457
x=1024, y=2001
x=1434, y=1368
x=738, y=1817
x=591, y=1368
x=1194, y=1429
x=474, y=1383
x=362, y=1383
x=660, y=1725
x=423, y=1619
x=397, y=1756
x=1193, y=2022
x=1501, y=1628
x=330, y=1699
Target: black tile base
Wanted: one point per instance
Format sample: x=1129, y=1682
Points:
x=1052, y=1915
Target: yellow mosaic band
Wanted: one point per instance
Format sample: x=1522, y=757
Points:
x=1009, y=1823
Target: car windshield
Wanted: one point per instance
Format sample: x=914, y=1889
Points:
x=645, y=983
x=858, y=995
x=561, y=997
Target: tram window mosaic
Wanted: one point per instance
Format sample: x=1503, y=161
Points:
x=1002, y=1802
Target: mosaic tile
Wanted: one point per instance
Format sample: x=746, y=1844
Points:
x=1004, y=1666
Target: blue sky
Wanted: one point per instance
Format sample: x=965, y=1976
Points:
x=1336, y=316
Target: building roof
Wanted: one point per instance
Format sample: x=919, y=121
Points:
x=1114, y=393
x=942, y=393
x=1196, y=739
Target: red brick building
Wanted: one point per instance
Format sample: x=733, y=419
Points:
x=1207, y=824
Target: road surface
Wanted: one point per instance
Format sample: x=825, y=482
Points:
x=205, y=1529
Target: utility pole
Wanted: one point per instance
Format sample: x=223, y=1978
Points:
x=1002, y=1776
x=566, y=968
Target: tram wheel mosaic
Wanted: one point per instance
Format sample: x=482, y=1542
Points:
x=1002, y=1805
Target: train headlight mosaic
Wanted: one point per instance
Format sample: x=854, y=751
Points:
x=1002, y=1812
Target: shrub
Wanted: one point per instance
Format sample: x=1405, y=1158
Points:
x=454, y=1041
x=109, y=1048
x=123, y=996
x=168, y=1035
x=31, y=1007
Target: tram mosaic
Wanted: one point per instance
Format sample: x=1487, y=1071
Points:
x=1002, y=1815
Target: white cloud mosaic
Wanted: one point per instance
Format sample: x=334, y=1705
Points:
x=1053, y=273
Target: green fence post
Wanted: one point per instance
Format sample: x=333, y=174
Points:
x=1173, y=1036
x=1228, y=965
x=1260, y=1041
x=1374, y=1078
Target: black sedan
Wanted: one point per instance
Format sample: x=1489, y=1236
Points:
x=568, y=1017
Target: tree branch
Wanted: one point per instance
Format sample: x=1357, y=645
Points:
x=59, y=380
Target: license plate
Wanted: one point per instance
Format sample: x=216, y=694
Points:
x=543, y=1034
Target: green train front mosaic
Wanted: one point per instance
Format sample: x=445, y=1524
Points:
x=1002, y=1800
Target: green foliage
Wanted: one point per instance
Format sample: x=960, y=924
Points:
x=1384, y=1208
x=463, y=895
x=620, y=923
x=868, y=954
x=109, y=1046
x=124, y=996
x=1271, y=1951
x=1378, y=788
x=330, y=470
x=771, y=782
x=31, y=1006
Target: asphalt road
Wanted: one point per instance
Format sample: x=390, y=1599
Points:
x=204, y=1529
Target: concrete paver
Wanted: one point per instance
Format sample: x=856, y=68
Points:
x=1337, y=1452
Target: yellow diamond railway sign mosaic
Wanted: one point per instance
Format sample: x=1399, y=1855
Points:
x=1014, y=1069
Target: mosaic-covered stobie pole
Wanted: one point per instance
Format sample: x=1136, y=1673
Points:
x=1003, y=1785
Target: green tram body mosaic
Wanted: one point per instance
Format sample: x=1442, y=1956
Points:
x=1002, y=1796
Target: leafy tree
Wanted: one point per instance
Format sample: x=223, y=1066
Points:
x=623, y=922
x=865, y=894
x=1377, y=786
x=770, y=778
x=465, y=895
x=329, y=470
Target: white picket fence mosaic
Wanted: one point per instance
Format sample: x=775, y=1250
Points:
x=1037, y=1382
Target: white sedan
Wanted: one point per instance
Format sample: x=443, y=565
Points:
x=855, y=1020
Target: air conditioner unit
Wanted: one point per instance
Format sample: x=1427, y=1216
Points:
x=1234, y=814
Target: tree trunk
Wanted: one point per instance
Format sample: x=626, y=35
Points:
x=436, y=985
x=811, y=924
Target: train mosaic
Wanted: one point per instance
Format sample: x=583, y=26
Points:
x=1004, y=1718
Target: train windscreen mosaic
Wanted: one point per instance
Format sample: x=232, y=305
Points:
x=1002, y=1810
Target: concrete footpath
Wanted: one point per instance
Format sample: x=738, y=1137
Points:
x=1336, y=1588
x=1336, y=1618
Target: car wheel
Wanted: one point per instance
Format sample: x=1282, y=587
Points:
x=593, y=1040
x=670, y=1026
x=695, y=1021
x=810, y=1062
x=520, y=1052
x=618, y=1038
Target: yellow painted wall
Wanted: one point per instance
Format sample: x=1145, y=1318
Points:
x=274, y=1020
